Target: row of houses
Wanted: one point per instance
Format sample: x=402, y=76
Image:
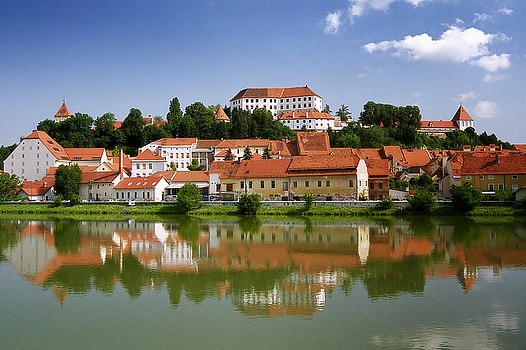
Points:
x=293, y=168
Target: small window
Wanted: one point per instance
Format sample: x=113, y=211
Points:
x=262, y=185
x=351, y=183
x=319, y=183
x=469, y=177
x=501, y=187
x=380, y=185
x=328, y=183
x=515, y=177
x=491, y=187
x=307, y=183
x=273, y=184
x=371, y=185
x=295, y=184
x=242, y=184
x=481, y=177
x=250, y=184
x=491, y=177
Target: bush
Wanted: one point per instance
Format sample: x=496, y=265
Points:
x=249, y=204
x=58, y=200
x=504, y=195
x=188, y=197
x=74, y=199
x=465, y=197
x=421, y=202
x=309, y=201
x=384, y=205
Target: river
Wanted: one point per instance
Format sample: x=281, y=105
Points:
x=263, y=283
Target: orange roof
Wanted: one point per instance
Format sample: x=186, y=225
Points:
x=313, y=143
x=167, y=174
x=280, y=148
x=242, y=143
x=52, y=145
x=63, y=111
x=262, y=168
x=520, y=147
x=98, y=177
x=190, y=176
x=147, y=154
x=221, y=115
x=139, y=182
x=170, y=141
x=481, y=163
x=337, y=162
x=416, y=157
x=461, y=114
x=36, y=188
x=377, y=166
x=438, y=124
x=201, y=144
x=274, y=93
x=299, y=115
x=225, y=169
x=85, y=153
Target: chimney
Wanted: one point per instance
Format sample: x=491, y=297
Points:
x=498, y=158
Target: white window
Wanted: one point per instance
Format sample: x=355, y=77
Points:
x=491, y=177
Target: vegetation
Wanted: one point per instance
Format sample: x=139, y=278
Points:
x=194, y=166
x=5, y=151
x=465, y=197
x=8, y=185
x=67, y=180
x=249, y=204
x=308, y=202
x=421, y=202
x=188, y=197
x=247, y=153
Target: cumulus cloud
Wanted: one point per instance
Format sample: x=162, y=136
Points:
x=454, y=45
x=333, y=22
x=359, y=7
x=486, y=109
x=505, y=11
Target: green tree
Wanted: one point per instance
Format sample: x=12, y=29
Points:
x=174, y=110
x=203, y=119
x=424, y=182
x=5, y=151
x=67, y=180
x=343, y=113
x=194, y=165
x=247, y=153
x=8, y=185
x=308, y=202
x=326, y=109
x=229, y=155
x=421, y=202
x=104, y=131
x=266, y=153
x=465, y=197
x=188, y=197
x=249, y=204
x=133, y=131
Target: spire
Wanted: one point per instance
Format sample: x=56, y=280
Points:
x=63, y=112
x=461, y=114
x=221, y=115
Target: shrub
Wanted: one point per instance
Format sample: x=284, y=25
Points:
x=504, y=195
x=384, y=205
x=465, y=197
x=58, y=200
x=421, y=202
x=249, y=204
x=74, y=199
x=309, y=201
x=188, y=197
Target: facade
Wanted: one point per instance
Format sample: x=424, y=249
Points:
x=204, y=152
x=307, y=120
x=277, y=100
x=147, y=189
x=176, y=152
x=460, y=121
x=147, y=163
x=87, y=156
x=99, y=186
x=34, y=155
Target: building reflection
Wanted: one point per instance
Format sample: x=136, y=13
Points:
x=269, y=268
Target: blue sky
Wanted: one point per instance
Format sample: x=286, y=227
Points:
x=110, y=56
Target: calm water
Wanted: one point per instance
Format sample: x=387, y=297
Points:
x=260, y=284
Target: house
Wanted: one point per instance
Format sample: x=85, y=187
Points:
x=237, y=148
x=307, y=120
x=460, y=121
x=177, y=179
x=486, y=171
x=86, y=156
x=277, y=100
x=378, y=171
x=147, y=163
x=39, y=191
x=220, y=115
x=99, y=185
x=148, y=189
x=34, y=155
x=204, y=152
x=176, y=152
x=63, y=113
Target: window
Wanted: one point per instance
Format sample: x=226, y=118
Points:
x=285, y=186
x=468, y=178
x=380, y=185
x=250, y=184
x=319, y=183
x=273, y=184
x=515, y=177
x=371, y=185
x=295, y=184
x=242, y=184
x=328, y=183
x=514, y=188
x=150, y=166
x=491, y=177
x=491, y=187
x=351, y=183
x=501, y=186
x=229, y=187
x=307, y=183
x=481, y=177
x=138, y=166
x=262, y=185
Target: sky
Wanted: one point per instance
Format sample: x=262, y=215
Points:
x=110, y=56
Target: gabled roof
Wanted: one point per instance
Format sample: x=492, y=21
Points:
x=149, y=182
x=336, y=162
x=225, y=169
x=301, y=115
x=171, y=141
x=520, y=147
x=148, y=155
x=438, y=124
x=376, y=165
x=281, y=148
x=167, y=174
x=37, y=188
x=461, y=114
x=85, y=154
x=52, y=145
x=488, y=163
x=207, y=144
x=274, y=92
x=313, y=143
x=63, y=111
x=221, y=115
x=99, y=177
x=190, y=176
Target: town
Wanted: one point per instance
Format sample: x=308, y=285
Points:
x=286, y=169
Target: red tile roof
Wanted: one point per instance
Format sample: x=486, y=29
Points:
x=280, y=148
x=225, y=169
x=488, y=163
x=52, y=145
x=37, y=188
x=520, y=147
x=63, y=111
x=337, y=162
x=169, y=141
x=242, y=143
x=139, y=182
x=221, y=115
x=190, y=176
x=98, y=177
x=168, y=174
x=313, y=143
x=438, y=124
x=274, y=93
x=262, y=168
x=462, y=114
x=207, y=144
x=85, y=154
x=300, y=115
x=377, y=166
x=148, y=155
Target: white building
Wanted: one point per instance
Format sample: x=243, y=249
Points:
x=174, y=151
x=149, y=189
x=277, y=100
x=147, y=163
x=34, y=155
x=307, y=120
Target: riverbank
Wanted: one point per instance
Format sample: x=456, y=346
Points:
x=206, y=210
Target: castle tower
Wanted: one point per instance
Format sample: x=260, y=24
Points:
x=63, y=113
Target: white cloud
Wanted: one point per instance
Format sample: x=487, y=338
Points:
x=359, y=7
x=493, y=63
x=481, y=17
x=488, y=77
x=333, y=22
x=486, y=109
x=505, y=11
x=466, y=96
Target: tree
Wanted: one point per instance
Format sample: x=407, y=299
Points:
x=8, y=185
x=104, y=133
x=343, y=113
x=422, y=201
x=249, y=204
x=327, y=109
x=188, y=197
x=203, y=119
x=266, y=153
x=424, y=182
x=308, y=201
x=465, y=197
x=67, y=180
x=133, y=131
x=229, y=155
x=194, y=166
x=5, y=151
x=247, y=153
x=174, y=110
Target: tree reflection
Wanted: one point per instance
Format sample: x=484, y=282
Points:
x=67, y=236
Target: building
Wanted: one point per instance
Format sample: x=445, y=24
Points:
x=39, y=191
x=307, y=120
x=277, y=100
x=147, y=163
x=63, y=113
x=237, y=148
x=176, y=152
x=221, y=116
x=460, y=121
x=99, y=186
x=148, y=189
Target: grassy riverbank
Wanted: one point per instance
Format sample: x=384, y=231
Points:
x=170, y=209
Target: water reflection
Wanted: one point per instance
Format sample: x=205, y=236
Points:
x=265, y=267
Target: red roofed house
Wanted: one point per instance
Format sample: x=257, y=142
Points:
x=63, y=113
x=147, y=163
x=486, y=171
x=34, y=155
x=277, y=100
x=178, y=179
x=307, y=120
x=40, y=191
x=460, y=121
x=100, y=185
x=149, y=189
x=237, y=147
x=176, y=152
x=87, y=156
